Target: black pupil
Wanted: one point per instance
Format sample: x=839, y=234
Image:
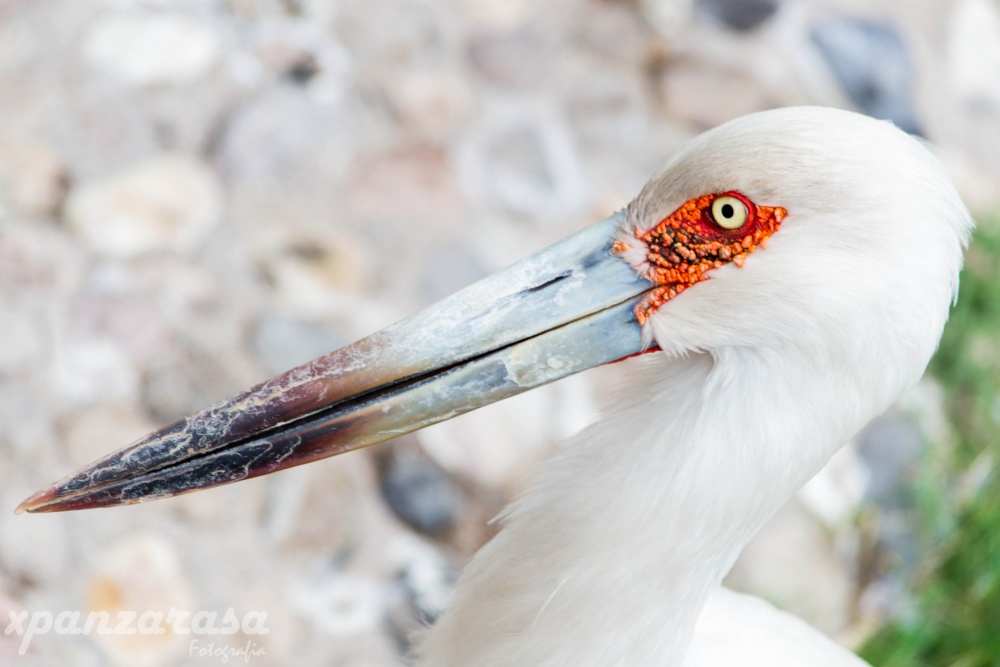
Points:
x=727, y=210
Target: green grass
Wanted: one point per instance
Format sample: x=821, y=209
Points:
x=955, y=619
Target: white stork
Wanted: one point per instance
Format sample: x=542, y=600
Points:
x=793, y=270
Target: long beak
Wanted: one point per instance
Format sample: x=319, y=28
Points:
x=560, y=311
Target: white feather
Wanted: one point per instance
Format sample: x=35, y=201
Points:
x=615, y=554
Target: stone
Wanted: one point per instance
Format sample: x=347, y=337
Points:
x=973, y=50
x=608, y=112
x=314, y=272
x=135, y=321
x=509, y=58
x=91, y=367
x=141, y=573
x=421, y=590
x=525, y=162
x=312, y=511
x=411, y=184
x=152, y=48
x=891, y=448
x=339, y=604
x=38, y=261
x=170, y=202
x=36, y=179
x=740, y=15
x=872, y=65
x=499, y=15
x=276, y=134
x=430, y=102
x=418, y=491
x=392, y=35
x=303, y=53
x=668, y=17
x=794, y=564
x=835, y=495
x=708, y=96
x=615, y=30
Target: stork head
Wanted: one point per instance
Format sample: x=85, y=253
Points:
x=844, y=243
x=802, y=233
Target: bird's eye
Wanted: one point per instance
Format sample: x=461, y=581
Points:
x=729, y=212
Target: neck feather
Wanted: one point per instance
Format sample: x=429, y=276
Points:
x=610, y=555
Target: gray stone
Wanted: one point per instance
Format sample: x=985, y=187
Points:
x=276, y=134
x=891, y=448
x=872, y=64
x=741, y=15
x=420, y=493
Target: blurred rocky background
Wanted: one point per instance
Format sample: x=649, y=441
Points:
x=198, y=194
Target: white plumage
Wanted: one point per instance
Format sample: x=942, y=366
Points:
x=616, y=552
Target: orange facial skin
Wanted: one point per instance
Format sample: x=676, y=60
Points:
x=687, y=244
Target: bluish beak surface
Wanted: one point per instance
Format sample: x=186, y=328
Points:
x=562, y=310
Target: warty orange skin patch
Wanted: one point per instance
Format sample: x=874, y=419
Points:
x=687, y=244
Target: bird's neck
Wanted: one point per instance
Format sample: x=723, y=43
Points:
x=611, y=554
